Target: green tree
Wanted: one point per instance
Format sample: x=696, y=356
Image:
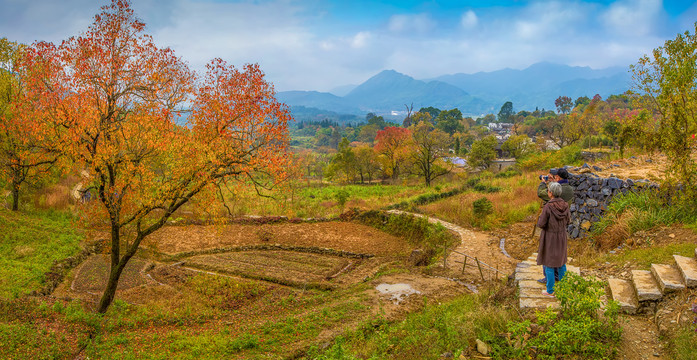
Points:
x=505, y=112
x=668, y=79
x=449, y=121
x=429, y=152
x=343, y=164
x=483, y=153
x=434, y=112
x=518, y=146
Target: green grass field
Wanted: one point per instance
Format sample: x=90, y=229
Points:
x=29, y=243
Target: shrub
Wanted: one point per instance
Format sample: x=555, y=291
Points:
x=416, y=230
x=482, y=207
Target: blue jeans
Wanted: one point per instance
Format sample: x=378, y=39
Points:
x=550, y=276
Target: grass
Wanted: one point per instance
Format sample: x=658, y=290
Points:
x=516, y=201
x=683, y=344
x=644, y=257
x=29, y=244
x=440, y=328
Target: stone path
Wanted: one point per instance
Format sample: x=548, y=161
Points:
x=530, y=291
x=646, y=286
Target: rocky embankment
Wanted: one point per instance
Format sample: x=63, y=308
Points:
x=593, y=193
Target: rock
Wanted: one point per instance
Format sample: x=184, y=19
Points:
x=672, y=236
x=482, y=347
x=418, y=257
x=586, y=225
x=592, y=202
x=447, y=355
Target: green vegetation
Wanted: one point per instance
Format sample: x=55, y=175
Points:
x=29, y=244
x=578, y=330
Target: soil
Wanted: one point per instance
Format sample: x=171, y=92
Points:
x=336, y=235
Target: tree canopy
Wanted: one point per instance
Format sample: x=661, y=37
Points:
x=110, y=98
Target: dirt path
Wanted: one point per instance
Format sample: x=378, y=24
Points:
x=474, y=244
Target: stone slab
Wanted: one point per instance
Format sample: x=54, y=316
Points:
x=622, y=291
x=533, y=284
x=530, y=292
x=688, y=270
x=668, y=278
x=538, y=303
x=646, y=285
x=574, y=269
x=528, y=275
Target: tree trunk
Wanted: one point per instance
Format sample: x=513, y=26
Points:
x=16, y=183
x=117, y=265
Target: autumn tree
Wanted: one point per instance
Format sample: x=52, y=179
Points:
x=563, y=104
x=24, y=155
x=667, y=77
x=391, y=146
x=113, y=96
x=429, y=152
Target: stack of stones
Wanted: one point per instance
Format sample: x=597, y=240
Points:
x=592, y=195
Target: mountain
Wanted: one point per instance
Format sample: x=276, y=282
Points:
x=390, y=90
x=474, y=94
x=540, y=84
x=320, y=100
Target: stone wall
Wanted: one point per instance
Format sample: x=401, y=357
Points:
x=592, y=194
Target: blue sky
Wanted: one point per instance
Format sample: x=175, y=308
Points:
x=322, y=44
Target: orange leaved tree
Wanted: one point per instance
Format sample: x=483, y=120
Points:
x=24, y=157
x=392, y=145
x=113, y=99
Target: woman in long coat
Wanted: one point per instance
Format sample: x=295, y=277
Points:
x=553, y=240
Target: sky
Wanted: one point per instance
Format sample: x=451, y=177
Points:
x=324, y=44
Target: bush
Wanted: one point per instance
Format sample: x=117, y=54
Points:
x=416, y=230
x=482, y=207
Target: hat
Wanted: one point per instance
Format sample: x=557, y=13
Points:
x=553, y=171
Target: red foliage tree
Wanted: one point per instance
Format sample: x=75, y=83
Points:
x=391, y=145
x=111, y=97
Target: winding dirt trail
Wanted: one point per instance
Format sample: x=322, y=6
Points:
x=474, y=244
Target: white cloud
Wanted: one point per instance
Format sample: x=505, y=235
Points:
x=419, y=23
x=360, y=40
x=633, y=17
x=469, y=20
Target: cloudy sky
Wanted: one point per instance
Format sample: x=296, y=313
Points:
x=322, y=44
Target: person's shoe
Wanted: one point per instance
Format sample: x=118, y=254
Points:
x=542, y=281
x=545, y=293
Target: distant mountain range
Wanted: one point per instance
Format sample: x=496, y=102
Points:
x=474, y=94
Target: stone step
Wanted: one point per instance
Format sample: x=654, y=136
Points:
x=623, y=292
x=646, y=285
x=668, y=277
x=688, y=270
x=538, y=303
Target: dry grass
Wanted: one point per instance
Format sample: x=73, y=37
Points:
x=517, y=201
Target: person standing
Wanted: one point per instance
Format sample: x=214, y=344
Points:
x=552, y=250
x=560, y=176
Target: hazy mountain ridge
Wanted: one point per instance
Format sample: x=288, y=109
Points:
x=484, y=92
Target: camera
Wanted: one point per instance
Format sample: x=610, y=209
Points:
x=544, y=177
